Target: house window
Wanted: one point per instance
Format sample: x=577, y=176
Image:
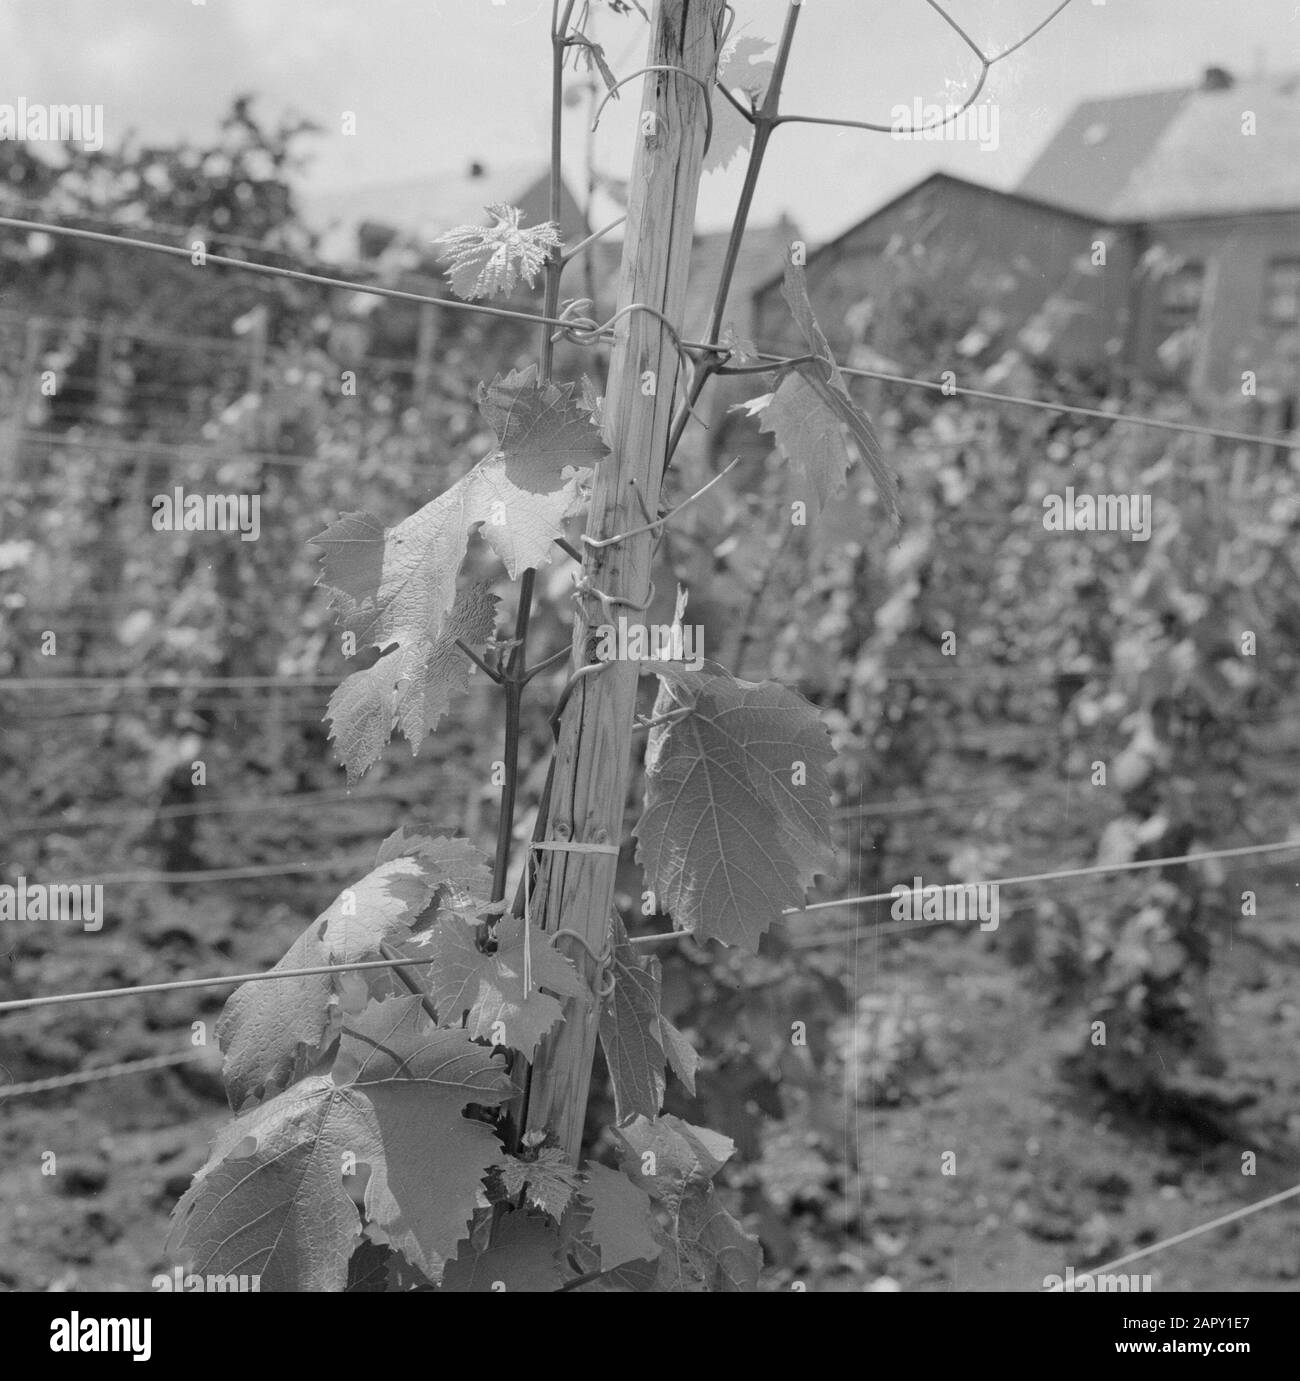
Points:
x=1181, y=291
x=1282, y=292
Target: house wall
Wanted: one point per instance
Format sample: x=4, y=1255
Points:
x=976, y=255
x=1233, y=334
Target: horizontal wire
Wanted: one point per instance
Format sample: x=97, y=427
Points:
x=1222, y=1221
x=181, y=984
x=1074, y=409
x=91, y=1076
x=310, y=867
x=813, y=941
x=309, y=716
x=196, y=453
x=1008, y=675
x=713, y=347
x=274, y=271
x=146, y=683
x=1094, y=870
x=196, y=231
x=175, y=985
x=335, y=795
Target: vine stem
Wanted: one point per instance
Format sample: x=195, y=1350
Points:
x=514, y=675
x=764, y=119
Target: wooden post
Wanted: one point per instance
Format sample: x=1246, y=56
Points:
x=592, y=766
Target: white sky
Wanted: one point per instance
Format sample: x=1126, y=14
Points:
x=437, y=82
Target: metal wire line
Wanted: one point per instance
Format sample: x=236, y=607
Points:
x=176, y=985
x=1093, y=870
x=1011, y=675
x=91, y=1076
x=274, y=271
x=181, y=984
x=814, y=941
x=706, y=347
x=342, y=796
x=1160, y=424
x=1222, y=1221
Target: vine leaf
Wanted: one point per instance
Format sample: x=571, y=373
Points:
x=397, y=586
x=274, y=1031
x=455, y=863
x=370, y=1270
x=459, y=870
x=621, y=1225
x=410, y=686
x=541, y=428
x=489, y=988
x=525, y=1257
x=630, y=1033
x=635, y=1037
x=810, y=409
x=683, y=1058
x=387, y=582
x=753, y=407
x=276, y=1197
x=706, y=1248
x=490, y=259
x=375, y=1269
x=737, y=803
x=809, y=434
x=547, y=1181
x=737, y=71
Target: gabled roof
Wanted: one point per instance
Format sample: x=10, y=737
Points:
x=1177, y=153
x=775, y=278
x=424, y=208
x=762, y=251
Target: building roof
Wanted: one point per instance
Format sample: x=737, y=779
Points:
x=775, y=277
x=762, y=252
x=424, y=208
x=1177, y=153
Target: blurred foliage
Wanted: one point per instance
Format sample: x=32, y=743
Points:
x=1071, y=649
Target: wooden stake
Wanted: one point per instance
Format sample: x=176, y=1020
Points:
x=589, y=792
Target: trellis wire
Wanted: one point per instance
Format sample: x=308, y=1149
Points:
x=713, y=347
x=1093, y=870
x=53, y=999
x=1222, y=1221
x=91, y=1076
